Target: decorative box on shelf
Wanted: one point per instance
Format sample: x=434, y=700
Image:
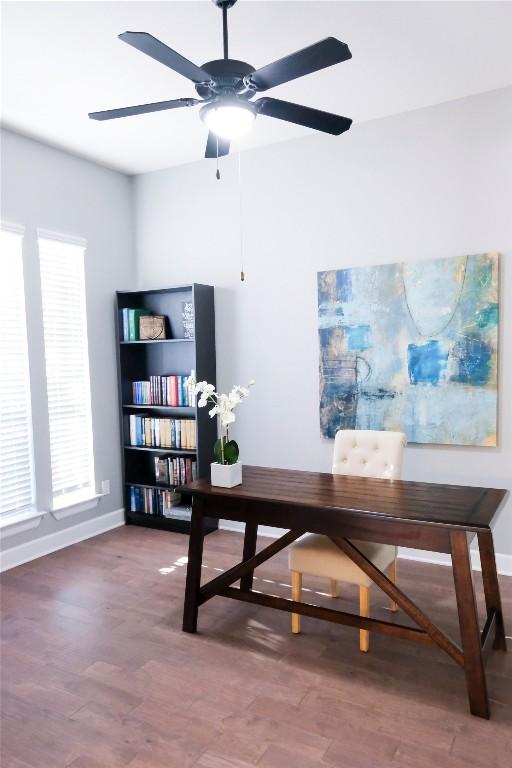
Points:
x=152, y=327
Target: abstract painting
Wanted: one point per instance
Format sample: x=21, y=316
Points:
x=411, y=347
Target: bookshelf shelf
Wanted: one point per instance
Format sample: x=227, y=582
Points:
x=138, y=360
x=176, y=451
x=159, y=341
x=182, y=410
x=165, y=523
x=158, y=486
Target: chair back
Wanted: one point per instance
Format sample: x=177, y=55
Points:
x=368, y=453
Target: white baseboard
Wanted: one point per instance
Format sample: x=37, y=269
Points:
x=503, y=562
x=44, y=545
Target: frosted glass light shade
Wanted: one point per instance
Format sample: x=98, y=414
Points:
x=229, y=121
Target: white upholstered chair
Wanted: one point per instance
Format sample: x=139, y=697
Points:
x=366, y=453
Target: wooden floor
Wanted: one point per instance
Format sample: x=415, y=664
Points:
x=96, y=672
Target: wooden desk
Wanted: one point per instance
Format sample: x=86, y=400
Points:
x=438, y=518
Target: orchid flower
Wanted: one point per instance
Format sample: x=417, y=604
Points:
x=222, y=406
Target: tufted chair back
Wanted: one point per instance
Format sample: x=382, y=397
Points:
x=368, y=453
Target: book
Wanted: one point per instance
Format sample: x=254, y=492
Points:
x=126, y=327
x=152, y=432
x=174, y=389
x=129, y=324
x=175, y=471
x=154, y=501
x=133, y=323
x=162, y=470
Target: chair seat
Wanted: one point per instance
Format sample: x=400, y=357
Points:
x=317, y=555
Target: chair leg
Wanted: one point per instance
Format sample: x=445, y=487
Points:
x=334, y=588
x=364, y=610
x=296, y=595
x=392, y=576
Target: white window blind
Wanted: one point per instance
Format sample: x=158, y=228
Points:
x=16, y=461
x=67, y=369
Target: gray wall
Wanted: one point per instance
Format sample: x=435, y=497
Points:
x=430, y=183
x=47, y=188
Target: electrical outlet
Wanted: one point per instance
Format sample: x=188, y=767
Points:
x=105, y=487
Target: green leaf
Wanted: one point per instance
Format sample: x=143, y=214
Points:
x=231, y=452
x=217, y=451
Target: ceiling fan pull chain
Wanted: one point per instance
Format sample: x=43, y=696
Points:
x=218, y=172
x=242, y=273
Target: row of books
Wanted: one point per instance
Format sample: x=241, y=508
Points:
x=164, y=390
x=176, y=471
x=162, y=433
x=129, y=323
x=153, y=501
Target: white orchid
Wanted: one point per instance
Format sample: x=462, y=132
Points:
x=234, y=398
x=206, y=390
x=223, y=405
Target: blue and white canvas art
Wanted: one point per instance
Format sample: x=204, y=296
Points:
x=411, y=347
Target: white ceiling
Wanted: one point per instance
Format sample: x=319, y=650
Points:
x=61, y=60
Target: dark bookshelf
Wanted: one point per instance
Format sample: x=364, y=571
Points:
x=157, y=341
x=173, y=451
x=137, y=361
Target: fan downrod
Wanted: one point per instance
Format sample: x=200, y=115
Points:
x=224, y=6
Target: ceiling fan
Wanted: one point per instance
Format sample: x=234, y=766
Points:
x=227, y=86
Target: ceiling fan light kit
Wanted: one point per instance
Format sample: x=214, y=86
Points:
x=226, y=87
x=229, y=119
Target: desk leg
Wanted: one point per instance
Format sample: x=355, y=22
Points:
x=469, y=628
x=492, y=587
x=251, y=534
x=195, y=560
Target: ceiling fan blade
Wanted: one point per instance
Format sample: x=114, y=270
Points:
x=142, y=109
x=310, y=118
x=318, y=56
x=211, y=146
x=149, y=45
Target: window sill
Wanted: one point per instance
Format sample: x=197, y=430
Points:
x=74, y=504
x=20, y=522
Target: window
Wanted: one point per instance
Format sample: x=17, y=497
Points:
x=16, y=461
x=67, y=370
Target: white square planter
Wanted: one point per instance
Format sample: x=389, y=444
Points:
x=226, y=475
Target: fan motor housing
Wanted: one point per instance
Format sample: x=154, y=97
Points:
x=224, y=3
x=227, y=74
